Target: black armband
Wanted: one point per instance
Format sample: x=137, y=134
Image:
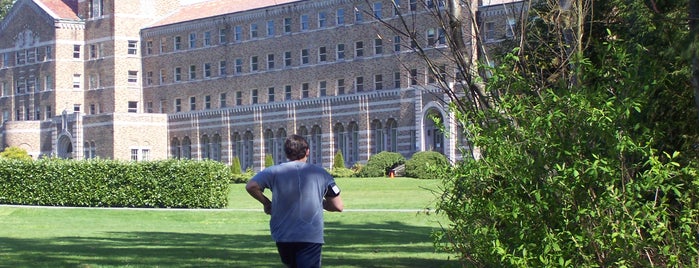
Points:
x=333, y=190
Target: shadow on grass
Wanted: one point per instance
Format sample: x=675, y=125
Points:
x=390, y=244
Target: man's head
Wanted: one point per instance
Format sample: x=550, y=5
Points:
x=295, y=147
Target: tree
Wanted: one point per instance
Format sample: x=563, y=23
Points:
x=15, y=153
x=587, y=142
x=269, y=161
x=5, y=6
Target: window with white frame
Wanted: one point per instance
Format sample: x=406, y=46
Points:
x=192, y=40
x=322, y=19
x=287, y=25
x=340, y=51
x=132, y=106
x=253, y=30
x=207, y=38
x=340, y=16
x=133, y=77
x=77, y=81
x=304, y=22
x=140, y=154
x=133, y=47
x=270, y=28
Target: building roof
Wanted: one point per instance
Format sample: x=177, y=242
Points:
x=60, y=9
x=215, y=8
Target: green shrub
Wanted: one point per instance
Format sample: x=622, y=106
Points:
x=341, y=172
x=339, y=160
x=269, y=160
x=243, y=177
x=235, y=166
x=109, y=183
x=379, y=164
x=422, y=164
x=13, y=152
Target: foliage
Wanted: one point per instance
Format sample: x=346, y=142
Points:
x=339, y=160
x=422, y=165
x=235, y=166
x=341, y=172
x=109, y=183
x=5, y=6
x=269, y=160
x=380, y=164
x=588, y=146
x=13, y=152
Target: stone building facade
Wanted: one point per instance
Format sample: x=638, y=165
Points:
x=154, y=79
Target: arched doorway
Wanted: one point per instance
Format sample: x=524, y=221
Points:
x=434, y=137
x=65, y=147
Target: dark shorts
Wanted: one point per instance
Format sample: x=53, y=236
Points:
x=300, y=255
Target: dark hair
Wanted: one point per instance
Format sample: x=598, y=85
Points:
x=295, y=147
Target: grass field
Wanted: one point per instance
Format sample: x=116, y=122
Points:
x=365, y=235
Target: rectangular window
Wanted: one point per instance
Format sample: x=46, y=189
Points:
x=287, y=58
x=93, y=51
x=359, y=84
x=207, y=38
x=270, y=94
x=253, y=30
x=396, y=80
x=489, y=31
x=359, y=49
x=192, y=40
x=192, y=103
x=377, y=10
x=396, y=43
x=222, y=68
x=19, y=56
x=340, y=16
x=222, y=100
x=253, y=63
x=304, y=56
x=413, y=77
x=253, y=96
x=431, y=37
x=192, y=72
x=238, y=33
x=378, y=46
x=149, y=107
x=178, y=74
x=31, y=55
x=207, y=102
x=77, y=81
x=413, y=5
x=163, y=44
x=287, y=25
x=270, y=28
x=322, y=54
x=323, y=88
x=48, y=83
x=93, y=109
x=238, y=66
x=133, y=107
x=76, y=51
x=378, y=82
x=48, y=112
x=340, y=51
x=178, y=105
x=238, y=98
x=222, y=36
x=322, y=19
x=31, y=84
x=21, y=83
x=270, y=61
x=207, y=70
x=132, y=77
x=287, y=92
x=6, y=58
x=396, y=12
x=162, y=78
x=304, y=22
x=340, y=86
x=358, y=15
x=149, y=47
x=149, y=78
x=177, y=43
x=133, y=47
x=305, y=88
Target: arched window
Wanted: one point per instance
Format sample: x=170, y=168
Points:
x=269, y=143
x=316, y=145
x=205, y=147
x=93, y=150
x=248, y=151
x=238, y=147
x=377, y=137
x=216, y=147
x=391, y=135
x=341, y=141
x=352, y=143
x=186, y=148
x=86, y=150
x=175, y=148
x=280, y=155
x=303, y=131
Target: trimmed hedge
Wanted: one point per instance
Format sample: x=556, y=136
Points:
x=109, y=183
x=422, y=164
x=380, y=164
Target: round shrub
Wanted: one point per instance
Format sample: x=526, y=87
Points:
x=379, y=164
x=421, y=163
x=341, y=172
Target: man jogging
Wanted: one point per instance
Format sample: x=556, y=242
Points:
x=300, y=193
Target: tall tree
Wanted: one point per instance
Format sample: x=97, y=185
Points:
x=5, y=6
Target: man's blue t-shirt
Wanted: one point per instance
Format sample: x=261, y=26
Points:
x=297, y=189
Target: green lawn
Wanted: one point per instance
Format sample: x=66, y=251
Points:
x=362, y=236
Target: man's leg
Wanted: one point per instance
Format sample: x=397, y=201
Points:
x=309, y=255
x=287, y=252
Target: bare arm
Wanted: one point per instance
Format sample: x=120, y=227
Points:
x=333, y=203
x=255, y=191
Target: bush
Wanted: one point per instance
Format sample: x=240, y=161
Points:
x=235, y=166
x=243, y=177
x=13, y=152
x=109, y=183
x=379, y=164
x=422, y=164
x=339, y=161
x=269, y=161
x=341, y=172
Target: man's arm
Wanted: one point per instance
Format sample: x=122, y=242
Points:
x=333, y=203
x=255, y=191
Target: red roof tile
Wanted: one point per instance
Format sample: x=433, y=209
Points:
x=216, y=7
x=60, y=9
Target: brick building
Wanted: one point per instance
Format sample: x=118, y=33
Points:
x=156, y=79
